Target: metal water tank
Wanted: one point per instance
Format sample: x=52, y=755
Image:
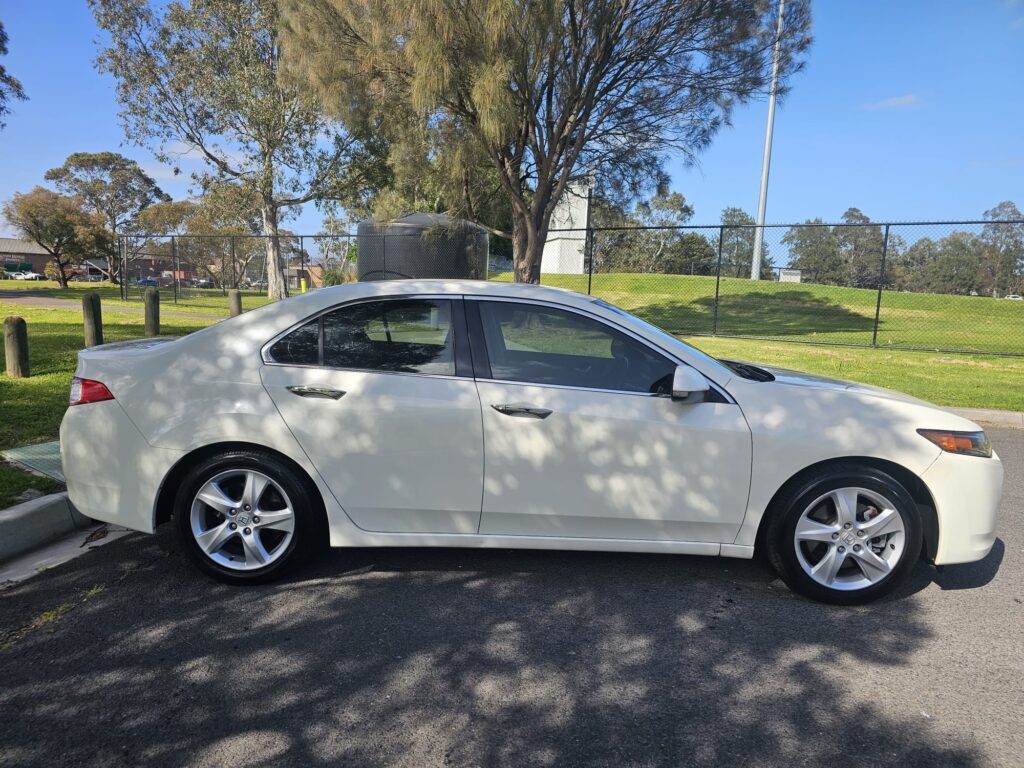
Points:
x=421, y=245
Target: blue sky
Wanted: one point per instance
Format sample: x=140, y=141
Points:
x=907, y=110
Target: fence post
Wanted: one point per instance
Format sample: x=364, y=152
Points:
x=718, y=282
x=122, y=266
x=174, y=266
x=303, y=278
x=588, y=244
x=234, y=302
x=92, y=314
x=152, y=301
x=234, y=265
x=881, y=285
x=16, y=347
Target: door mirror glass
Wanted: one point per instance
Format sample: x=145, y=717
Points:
x=689, y=386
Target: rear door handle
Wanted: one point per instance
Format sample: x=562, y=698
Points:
x=521, y=410
x=330, y=394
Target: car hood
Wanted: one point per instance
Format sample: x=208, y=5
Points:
x=792, y=378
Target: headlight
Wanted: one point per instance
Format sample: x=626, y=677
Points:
x=966, y=443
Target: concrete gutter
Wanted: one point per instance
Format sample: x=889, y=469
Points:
x=33, y=523
x=990, y=417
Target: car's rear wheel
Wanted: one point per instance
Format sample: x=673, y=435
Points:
x=245, y=517
x=847, y=535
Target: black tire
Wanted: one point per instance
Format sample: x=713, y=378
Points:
x=309, y=533
x=782, y=550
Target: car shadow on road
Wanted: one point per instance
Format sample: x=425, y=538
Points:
x=454, y=657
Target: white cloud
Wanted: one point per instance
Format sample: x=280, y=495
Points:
x=895, y=102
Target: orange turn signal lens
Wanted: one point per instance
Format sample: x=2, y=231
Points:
x=965, y=443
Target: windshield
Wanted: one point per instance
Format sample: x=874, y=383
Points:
x=665, y=335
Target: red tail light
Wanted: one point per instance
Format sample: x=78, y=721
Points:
x=88, y=391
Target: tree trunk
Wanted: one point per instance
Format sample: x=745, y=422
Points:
x=527, y=249
x=62, y=277
x=277, y=285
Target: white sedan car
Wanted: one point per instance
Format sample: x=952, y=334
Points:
x=485, y=414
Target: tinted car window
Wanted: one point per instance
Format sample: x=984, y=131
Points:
x=411, y=336
x=542, y=345
x=300, y=347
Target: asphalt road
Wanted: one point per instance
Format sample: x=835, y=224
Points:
x=457, y=657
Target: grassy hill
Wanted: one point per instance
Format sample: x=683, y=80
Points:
x=684, y=305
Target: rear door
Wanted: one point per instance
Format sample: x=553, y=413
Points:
x=380, y=396
x=582, y=439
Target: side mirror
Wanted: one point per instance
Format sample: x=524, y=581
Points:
x=689, y=386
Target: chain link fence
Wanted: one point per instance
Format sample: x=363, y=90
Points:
x=940, y=286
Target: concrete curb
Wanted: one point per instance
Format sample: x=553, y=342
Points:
x=31, y=524
x=992, y=417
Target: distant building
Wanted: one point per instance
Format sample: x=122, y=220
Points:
x=22, y=255
x=565, y=251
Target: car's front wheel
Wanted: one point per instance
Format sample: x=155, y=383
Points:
x=847, y=535
x=245, y=517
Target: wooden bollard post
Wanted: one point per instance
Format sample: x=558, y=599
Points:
x=93, y=315
x=234, y=302
x=16, y=347
x=152, y=300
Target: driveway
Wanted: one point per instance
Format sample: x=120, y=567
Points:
x=126, y=656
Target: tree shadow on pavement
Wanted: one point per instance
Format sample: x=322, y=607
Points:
x=416, y=657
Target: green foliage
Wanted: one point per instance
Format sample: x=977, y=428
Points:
x=111, y=185
x=738, y=236
x=10, y=86
x=850, y=254
x=60, y=225
x=203, y=77
x=542, y=93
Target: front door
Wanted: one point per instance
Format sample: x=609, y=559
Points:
x=372, y=393
x=583, y=441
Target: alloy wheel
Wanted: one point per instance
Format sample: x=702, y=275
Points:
x=850, y=538
x=242, y=519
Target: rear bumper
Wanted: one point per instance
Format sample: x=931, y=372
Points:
x=112, y=473
x=967, y=491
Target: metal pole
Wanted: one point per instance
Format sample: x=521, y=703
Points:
x=234, y=265
x=718, y=282
x=762, y=201
x=302, y=263
x=174, y=266
x=588, y=243
x=881, y=284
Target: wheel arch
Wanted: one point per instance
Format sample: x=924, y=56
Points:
x=915, y=487
x=164, y=505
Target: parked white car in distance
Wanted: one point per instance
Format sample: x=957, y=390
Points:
x=485, y=414
x=28, y=276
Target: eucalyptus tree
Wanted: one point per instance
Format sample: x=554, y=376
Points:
x=201, y=79
x=544, y=92
x=112, y=186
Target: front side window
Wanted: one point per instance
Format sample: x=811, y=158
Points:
x=542, y=345
x=406, y=336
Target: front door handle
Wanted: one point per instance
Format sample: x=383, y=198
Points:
x=330, y=394
x=521, y=410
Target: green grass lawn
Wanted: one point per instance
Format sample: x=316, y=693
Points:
x=206, y=301
x=14, y=481
x=684, y=304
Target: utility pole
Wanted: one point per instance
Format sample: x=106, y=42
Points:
x=762, y=201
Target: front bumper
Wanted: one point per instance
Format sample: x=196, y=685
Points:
x=112, y=473
x=967, y=491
